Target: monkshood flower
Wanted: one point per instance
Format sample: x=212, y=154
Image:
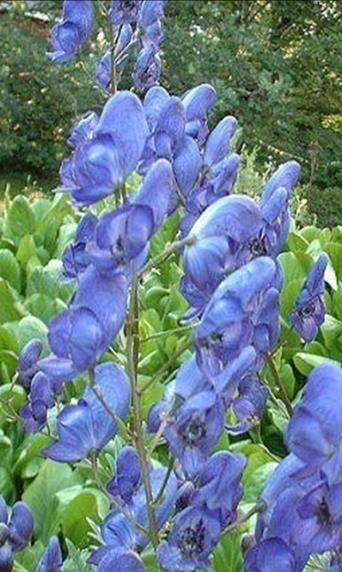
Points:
x=27, y=362
x=309, y=309
x=197, y=103
x=192, y=539
x=127, y=488
x=243, y=311
x=220, y=491
x=248, y=406
x=83, y=129
x=103, y=162
x=148, y=68
x=271, y=555
x=150, y=18
x=87, y=427
x=124, y=11
x=103, y=75
x=79, y=336
x=41, y=399
x=75, y=258
x=123, y=235
x=73, y=31
x=15, y=529
x=52, y=560
x=6, y=559
x=220, y=232
x=314, y=433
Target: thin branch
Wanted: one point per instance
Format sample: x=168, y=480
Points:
x=171, y=249
x=278, y=382
x=259, y=507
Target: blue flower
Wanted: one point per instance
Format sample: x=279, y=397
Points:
x=6, y=559
x=124, y=11
x=248, y=406
x=271, y=555
x=314, y=433
x=74, y=30
x=190, y=542
x=83, y=129
x=27, y=362
x=75, y=259
x=148, y=68
x=103, y=162
x=87, y=427
x=123, y=235
x=20, y=526
x=128, y=475
x=51, y=561
x=41, y=399
x=197, y=103
x=150, y=21
x=243, y=311
x=309, y=309
x=103, y=74
x=80, y=335
x=220, y=489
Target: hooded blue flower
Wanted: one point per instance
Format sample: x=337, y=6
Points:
x=73, y=31
x=87, y=427
x=243, y=311
x=220, y=489
x=148, y=68
x=79, y=336
x=271, y=555
x=248, y=406
x=103, y=162
x=197, y=103
x=6, y=559
x=83, y=129
x=309, y=309
x=123, y=235
x=124, y=11
x=75, y=258
x=16, y=529
x=192, y=539
x=41, y=399
x=221, y=231
x=119, y=536
x=314, y=433
x=150, y=22
x=27, y=362
x=103, y=74
x=51, y=561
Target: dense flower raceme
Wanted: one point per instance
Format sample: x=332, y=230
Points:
x=73, y=31
x=304, y=492
x=15, y=531
x=309, y=309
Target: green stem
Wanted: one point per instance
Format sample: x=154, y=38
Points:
x=112, y=60
x=164, y=367
x=132, y=331
x=259, y=507
x=97, y=391
x=166, y=333
x=171, y=249
x=279, y=385
x=164, y=484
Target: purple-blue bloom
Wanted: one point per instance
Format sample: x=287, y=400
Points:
x=103, y=75
x=197, y=103
x=51, y=561
x=102, y=162
x=27, y=362
x=248, y=406
x=243, y=311
x=6, y=559
x=124, y=11
x=83, y=129
x=271, y=555
x=73, y=31
x=87, y=427
x=41, y=399
x=75, y=258
x=309, y=309
x=193, y=537
x=148, y=68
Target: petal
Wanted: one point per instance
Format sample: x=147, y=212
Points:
x=218, y=142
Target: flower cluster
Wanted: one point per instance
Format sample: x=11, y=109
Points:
x=15, y=532
x=304, y=492
x=232, y=281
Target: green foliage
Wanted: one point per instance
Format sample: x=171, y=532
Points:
x=327, y=205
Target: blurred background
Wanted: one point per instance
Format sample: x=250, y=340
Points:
x=276, y=65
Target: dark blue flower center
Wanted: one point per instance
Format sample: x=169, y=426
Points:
x=195, y=431
x=308, y=310
x=257, y=246
x=323, y=513
x=191, y=540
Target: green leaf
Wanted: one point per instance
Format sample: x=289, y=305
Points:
x=31, y=327
x=8, y=340
x=77, y=559
x=9, y=268
x=20, y=218
x=8, y=359
x=11, y=308
x=43, y=307
x=86, y=504
x=27, y=250
x=296, y=242
x=40, y=495
x=305, y=362
x=227, y=555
